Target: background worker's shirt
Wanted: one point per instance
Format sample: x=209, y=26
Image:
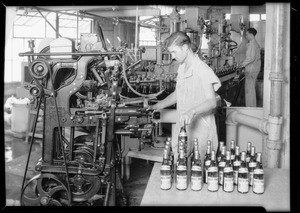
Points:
x=252, y=62
x=190, y=93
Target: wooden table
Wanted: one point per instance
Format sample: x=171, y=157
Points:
x=275, y=198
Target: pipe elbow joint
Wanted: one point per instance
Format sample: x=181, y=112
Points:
x=230, y=119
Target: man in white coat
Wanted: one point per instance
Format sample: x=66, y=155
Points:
x=252, y=65
x=194, y=94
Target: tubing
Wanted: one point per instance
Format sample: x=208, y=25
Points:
x=234, y=118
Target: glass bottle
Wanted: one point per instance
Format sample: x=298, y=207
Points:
x=243, y=176
x=219, y=150
x=258, y=176
x=196, y=171
x=165, y=172
x=181, y=171
x=207, y=161
x=212, y=175
x=251, y=165
x=236, y=165
x=183, y=134
x=221, y=165
x=171, y=154
x=228, y=174
x=232, y=150
x=248, y=152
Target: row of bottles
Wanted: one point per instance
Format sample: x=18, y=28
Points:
x=222, y=168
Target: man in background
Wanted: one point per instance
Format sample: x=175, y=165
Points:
x=252, y=65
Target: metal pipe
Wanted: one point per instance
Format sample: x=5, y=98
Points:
x=274, y=141
x=96, y=140
x=107, y=192
x=136, y=31
x=236, y=117
x=72, y=133
x=69, y=53
x=96, y=75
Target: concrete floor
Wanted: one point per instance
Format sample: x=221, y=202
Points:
x=16, y=152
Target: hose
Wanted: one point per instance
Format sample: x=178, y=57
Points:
x=130, y=87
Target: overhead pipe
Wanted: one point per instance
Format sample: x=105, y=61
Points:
x=272, y=125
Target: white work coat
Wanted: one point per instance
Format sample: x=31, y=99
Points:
x=252, y=62
x=252, y=65
x=190, y=93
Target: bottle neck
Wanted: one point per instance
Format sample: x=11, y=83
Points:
x=237, y=152
x=232, y=145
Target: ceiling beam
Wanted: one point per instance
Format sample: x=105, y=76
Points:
x=127, y=13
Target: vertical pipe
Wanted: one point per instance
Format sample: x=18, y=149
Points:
x=136, y=31
x=77, y=29
x=96, y=140
x=279, y=49
x=72, y=131
x=57, y=25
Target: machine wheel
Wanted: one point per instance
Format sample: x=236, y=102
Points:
x=83, y=187
x=45, y=190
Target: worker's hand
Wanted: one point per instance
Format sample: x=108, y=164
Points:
x=186, y=117
x=240, y=66
x=152, y=107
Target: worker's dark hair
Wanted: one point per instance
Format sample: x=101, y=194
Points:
x=252, y=31
x=178, y=38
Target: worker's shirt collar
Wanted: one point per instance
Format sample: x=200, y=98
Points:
x=185, y=73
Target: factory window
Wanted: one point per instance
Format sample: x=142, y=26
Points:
x=227, y=16
x=147, y=35
x=28, y=24
x=263, y=17
x=254, y=17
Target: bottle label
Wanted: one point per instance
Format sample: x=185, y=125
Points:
x=243, y=170
x=243, y=185
x=181, y=167
x=258, y=186
x=182, y=134
x=165, y=182
x=196, y=183
x=165, y=167
x=228, y=169
x=221, y=177
x=196, y=168
x=228, y=184
x=235, y=177
x=251, y=178
x=212, y=169
x=252, y=164
x=232, y=157
x=258, y=171
x=181, y=182
x=206, y=176
x=212, y=183
x=222, y=164
x=237, y=163
x=207, y=163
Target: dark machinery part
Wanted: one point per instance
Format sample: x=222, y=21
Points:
x=81, y=91
x=45, y=190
